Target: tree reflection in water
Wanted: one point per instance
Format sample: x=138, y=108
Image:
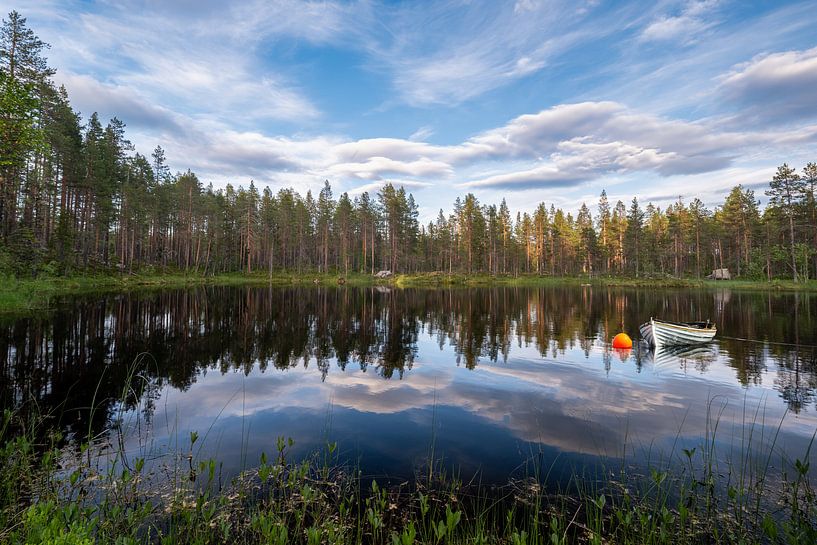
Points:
x=63, y=360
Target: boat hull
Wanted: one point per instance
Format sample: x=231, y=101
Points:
x=658, y=333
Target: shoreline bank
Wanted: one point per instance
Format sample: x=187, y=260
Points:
x=18, y=295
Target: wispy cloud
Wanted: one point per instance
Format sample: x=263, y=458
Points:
x=205, y=65
x=527, y=100
x=472, y=52
x=421, y=134
x=685, y=27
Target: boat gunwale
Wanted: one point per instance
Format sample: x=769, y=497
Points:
x=683, y=325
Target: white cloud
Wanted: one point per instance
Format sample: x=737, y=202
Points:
x=396, y=148
x=378, y=167
x=564, y=146
x=522, y=6
x=311, y=21
x=89, y=95
x=583, y=142
x=775, y=87
x=581, y=154
x=534, y=134
x=672, y=28
x=207, y=64
x=546, y=176
x=212, y=52
x=422, y=134
x=684, y=27
x=471, y=53
x=397, y=182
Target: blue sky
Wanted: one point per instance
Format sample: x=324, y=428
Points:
x=530, y=100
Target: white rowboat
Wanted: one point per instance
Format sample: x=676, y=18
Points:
x=660, y=333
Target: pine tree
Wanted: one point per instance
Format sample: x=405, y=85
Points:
x=604, y=228
x=367, y=219
x=21, y=53
x=541, y=236
x=24, y=80
x=809, y=178
x=160, y=169
x=635, y=226
x=506, y=232
x=19, y=136
x=617, y=231
x=785, y=192
x=587, y=238
x=323, y=224
x=655, y=242
x=741, y=217
x=699, y=215
x=344, y=222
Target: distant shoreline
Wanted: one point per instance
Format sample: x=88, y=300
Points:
x=28, y=295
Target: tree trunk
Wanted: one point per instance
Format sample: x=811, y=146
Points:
x=793, y=257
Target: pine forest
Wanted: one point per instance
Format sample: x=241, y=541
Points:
x=77, y=197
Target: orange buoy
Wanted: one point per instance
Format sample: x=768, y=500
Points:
x=622, y=340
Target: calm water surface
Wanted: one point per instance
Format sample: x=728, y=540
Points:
x=494, y=380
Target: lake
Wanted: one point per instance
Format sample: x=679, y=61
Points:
x=500, y=382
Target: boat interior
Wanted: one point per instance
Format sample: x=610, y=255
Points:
x=708, y=324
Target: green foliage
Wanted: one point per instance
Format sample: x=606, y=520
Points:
x=8, y=264
x=50, y=524
x=285, y=502
x=19, y=124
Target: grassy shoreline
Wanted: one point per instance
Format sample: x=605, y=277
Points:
x=317, y=500
x=533, y=280
x=18, y=295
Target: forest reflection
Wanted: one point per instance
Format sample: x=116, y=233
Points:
x=64, y=361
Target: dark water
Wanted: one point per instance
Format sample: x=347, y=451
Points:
x=493, y=380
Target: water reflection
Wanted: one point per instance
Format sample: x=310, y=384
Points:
x=488, y=374
x=698, y=357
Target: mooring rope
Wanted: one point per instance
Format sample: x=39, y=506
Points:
x=798, y=345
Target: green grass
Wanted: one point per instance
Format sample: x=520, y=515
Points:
x=533, y=280
x=18, y=295
x=64, y=495
x=27, y=295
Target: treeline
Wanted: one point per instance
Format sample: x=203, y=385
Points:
x=77, y=197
